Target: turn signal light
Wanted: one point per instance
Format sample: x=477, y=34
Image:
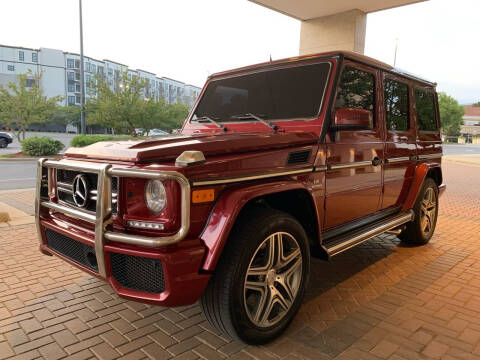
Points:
x=145, y=225
x=203, y=196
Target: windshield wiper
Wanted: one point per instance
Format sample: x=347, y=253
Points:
x=255, y=117
x=210, y=120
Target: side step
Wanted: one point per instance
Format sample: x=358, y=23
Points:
x=356, y=237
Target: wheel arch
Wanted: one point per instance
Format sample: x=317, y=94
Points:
x=232, y=204
x=422, y=171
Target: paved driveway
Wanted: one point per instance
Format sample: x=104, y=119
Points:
x=380, y=300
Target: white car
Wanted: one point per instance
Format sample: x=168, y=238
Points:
x=156, y=132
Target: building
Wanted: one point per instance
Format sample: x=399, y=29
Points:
x=61, y=75
x=471, y=122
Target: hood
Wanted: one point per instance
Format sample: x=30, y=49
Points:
x=169, y=147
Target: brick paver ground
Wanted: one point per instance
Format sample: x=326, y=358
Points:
x=380, y=300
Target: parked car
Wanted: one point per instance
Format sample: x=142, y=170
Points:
x=156, y=132
x=5, y=139
x=277, y=162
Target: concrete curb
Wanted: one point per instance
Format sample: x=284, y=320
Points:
x=26, y=159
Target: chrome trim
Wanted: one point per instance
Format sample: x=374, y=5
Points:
x=430, y=156
x=103, y=215
x=350, y=165
x=252, y=177
x=320, y=168
x=362, y=237
x=398, y=159
x=64, y=184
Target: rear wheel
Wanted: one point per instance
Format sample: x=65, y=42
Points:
x=259, y=282
x=421, y=229
x=3, y=143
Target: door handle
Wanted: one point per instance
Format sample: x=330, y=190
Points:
x=376, y=161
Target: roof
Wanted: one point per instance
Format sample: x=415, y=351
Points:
x=471, y=110
x=346, y=54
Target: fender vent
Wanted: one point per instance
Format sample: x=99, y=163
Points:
x=298, y=157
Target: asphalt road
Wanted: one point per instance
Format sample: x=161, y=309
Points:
x=15, y=147
x=21, y=174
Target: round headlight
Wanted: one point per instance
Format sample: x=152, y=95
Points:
x=155, y=196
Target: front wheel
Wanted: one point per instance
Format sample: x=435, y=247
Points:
x=420, y=230
x=260, y=279
x=3, y=143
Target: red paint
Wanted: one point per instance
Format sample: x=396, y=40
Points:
x=338, y=195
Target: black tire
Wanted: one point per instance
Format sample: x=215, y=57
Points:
x=416, y=232
x=3, y=143
x=224, y=300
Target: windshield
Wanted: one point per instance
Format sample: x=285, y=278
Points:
x=289, y=93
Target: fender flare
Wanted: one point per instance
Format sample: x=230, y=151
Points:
x=226, y=210
x=421, y=171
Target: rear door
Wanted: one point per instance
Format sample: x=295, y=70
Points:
x=400, y=139
x=353, y=182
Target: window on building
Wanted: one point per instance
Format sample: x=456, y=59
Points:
x=110, y=72
x=34, y=57
x=77, y=88
x=30, y=82
x=21, y=55
x=100, y=70
x=356, y=90
x=77, y=99
x=70, y=63
x=77, y=76
x=77, y=64
x=71, y=86
x=396, y=105
x=70, y=75
x=71, y=100
x=93, y=68
x=11, y=67
x=425, y=106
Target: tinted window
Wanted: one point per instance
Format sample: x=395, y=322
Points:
x=425, y=106
x=289, y=93
x=396, y=105
x=356, y=90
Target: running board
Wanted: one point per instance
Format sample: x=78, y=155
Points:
x=356, y=237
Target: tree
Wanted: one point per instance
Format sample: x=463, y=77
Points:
x=24, y=104
x=121, y=108
x=451, y=114
x=477, y=104
x=66, y=115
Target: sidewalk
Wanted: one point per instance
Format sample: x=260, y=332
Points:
x=473, y=159
x=18, y=204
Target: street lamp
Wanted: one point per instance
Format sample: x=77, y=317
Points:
x=83, y=126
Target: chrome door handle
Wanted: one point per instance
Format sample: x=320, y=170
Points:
x=376, y=161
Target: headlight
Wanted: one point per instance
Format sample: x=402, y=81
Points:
x=155, y=196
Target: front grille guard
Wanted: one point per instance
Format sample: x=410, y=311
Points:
x=103, y=214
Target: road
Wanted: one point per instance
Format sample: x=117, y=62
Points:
x=21, y=174
x=15, y=147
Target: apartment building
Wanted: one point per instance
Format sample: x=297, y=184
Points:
x=61, y=75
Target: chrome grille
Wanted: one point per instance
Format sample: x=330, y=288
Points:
x=65, y=180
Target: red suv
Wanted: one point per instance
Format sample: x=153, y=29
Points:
x=276, y=162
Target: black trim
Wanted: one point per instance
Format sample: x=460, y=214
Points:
x=330, y=235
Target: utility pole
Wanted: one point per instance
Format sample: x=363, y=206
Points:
x=395, y=57
x=83, y=125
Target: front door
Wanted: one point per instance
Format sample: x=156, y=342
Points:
x=354, y=157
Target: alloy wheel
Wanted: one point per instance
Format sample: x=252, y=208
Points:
x=273, y=279
x=428, y=211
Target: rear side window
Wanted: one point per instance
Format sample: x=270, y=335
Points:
x=356, y=90
x=425, y=105
x=396, y=105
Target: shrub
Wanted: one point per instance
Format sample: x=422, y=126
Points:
x=41, y=146
x=84, y=140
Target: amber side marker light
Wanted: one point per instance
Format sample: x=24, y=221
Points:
x=203, y=196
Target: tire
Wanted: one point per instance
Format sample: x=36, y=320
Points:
x=231, y=305
x=421, y=229
x=3, y=143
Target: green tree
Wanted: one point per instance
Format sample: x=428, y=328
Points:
x=121, y=108
x=66, y=115
x=23, y=104
x=477, y=104
x=451, y=114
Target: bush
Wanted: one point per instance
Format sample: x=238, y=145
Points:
x=84, y=140
x=41, y=146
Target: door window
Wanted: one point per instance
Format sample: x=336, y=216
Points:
x=356, y=90
x=396, y=105
x=425, y=105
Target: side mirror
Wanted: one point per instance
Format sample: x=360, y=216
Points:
x=352, y=119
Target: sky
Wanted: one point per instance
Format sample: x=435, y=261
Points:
x=189, y=39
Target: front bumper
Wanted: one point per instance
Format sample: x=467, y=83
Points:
x=116, y=257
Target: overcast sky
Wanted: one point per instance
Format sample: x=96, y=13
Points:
x=189, y=39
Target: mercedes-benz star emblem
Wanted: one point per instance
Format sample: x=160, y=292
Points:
x=80, y=190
